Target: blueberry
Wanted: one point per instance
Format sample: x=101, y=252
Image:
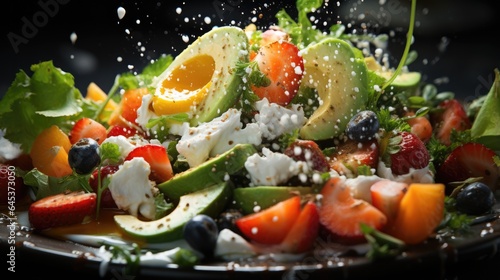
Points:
x=475, y=199
x=201, y=233
x=84, y=156
x=363, y=126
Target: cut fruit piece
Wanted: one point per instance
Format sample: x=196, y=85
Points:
x=49, y=152
x=261, y=197
x=179, y=92
x=301, y=237
x=420, y=212
x=203, y=80
x=61, y=210
x=210, y=201
x=342, y=214
x=88, y=128
x=95, y=93
x=470, y=160
x=213, y=171
x=386, y=196
x=126, y=113
x=339, y=75
x=157, y=158
x=270, y=226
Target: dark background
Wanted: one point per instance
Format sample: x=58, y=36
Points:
x=454, y=39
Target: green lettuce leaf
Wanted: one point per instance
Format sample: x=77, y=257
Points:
x=34, y=103
x=486, y=128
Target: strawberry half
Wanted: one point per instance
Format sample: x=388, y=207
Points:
x=412, y=153
x=308, y=151
x=352, y=154
x=342, y=214
x=470, y=160
x=117, y=130
x=157, y=157
x=87, y=128
x=450, y=116
x=281, y=63
x=61, y=209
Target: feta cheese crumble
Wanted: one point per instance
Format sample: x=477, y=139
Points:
x=198, y=144
x=272, y=169
x=132, y=190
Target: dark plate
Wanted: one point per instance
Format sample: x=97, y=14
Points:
x=466, y=256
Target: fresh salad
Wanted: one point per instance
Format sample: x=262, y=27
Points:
x=254, y=142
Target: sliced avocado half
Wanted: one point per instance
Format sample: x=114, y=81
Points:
x=210, y=201
x=406, y=82
x=211, y=172
x=203, y=79
x=246, y=199
x=339, y=75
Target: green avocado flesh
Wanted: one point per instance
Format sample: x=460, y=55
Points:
x=340, y=77
x=211, y=172
x=210, y=201
x=228, y=47
x=246, y=199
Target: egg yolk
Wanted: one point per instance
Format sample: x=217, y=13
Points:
x=185, y=87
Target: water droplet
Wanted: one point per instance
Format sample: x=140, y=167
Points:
x=208, y=20
x=121, y=12
x=178, y=10
x=73, y=37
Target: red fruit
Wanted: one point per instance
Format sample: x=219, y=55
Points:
x=352, y=154
x=116, y=130
x=420, y=126
x=281, y=63
x=467, y=161
x=12, y=188
x=271, y=225
x=386, y=196
x=61, y=209
x=301, y=237
x=126, y=114
x=342, y=214
x=412, y=154
x=87, y=128
x=308, y=151
x=451, y=116
x=157, y=157
x=107, y=200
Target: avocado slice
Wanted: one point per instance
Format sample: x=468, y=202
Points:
x=246, y=199
x=339, y=75
x=208, y=67
x=406, y=82
x=211, y=172
x=210, y=201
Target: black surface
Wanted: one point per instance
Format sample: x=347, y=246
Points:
x=474, y=257
x=465, y=65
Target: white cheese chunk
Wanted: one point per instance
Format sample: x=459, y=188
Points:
x=275, y=120
x=272, y=169
x=197, y=144
x=132, y=190
x=231, y=246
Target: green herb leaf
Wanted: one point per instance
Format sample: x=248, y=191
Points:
x=485, y=128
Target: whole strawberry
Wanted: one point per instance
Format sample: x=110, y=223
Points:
x=409, y=153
